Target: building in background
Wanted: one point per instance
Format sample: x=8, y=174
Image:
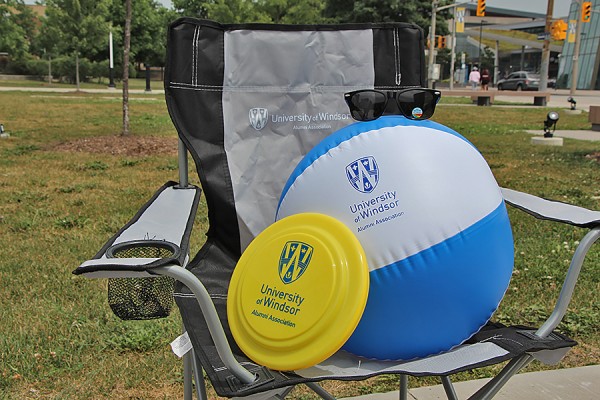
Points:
x=512, y=38
x=589, y=58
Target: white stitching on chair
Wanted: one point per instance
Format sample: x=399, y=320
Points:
x=195, y=55
x=397, y=56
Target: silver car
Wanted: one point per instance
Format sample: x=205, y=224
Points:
x=523, y=80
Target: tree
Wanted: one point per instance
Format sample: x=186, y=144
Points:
x=443, y=58
x=294, y=11
x=241, y=11
x=192, y=8
x=78, y=28
x=415, y=11
x=126, y=47
x=17, y=27
x=149, y=21
x=234, y=11
x=487, y=59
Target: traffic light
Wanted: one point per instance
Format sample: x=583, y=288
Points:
x=441, y=42
x=586, y=11
x=558, y=30
x=480, y=8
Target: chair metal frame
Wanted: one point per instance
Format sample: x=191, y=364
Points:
x=488, y=391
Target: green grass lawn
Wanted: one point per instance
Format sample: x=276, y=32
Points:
x=58, y=337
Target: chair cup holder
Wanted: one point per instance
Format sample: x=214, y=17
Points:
x=142, y=298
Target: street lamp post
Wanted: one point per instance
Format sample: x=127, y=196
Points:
x=148, y=88
x=479, y=47
x=575, y=63
x=111, y=65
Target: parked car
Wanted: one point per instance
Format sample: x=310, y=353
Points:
x=523, y=80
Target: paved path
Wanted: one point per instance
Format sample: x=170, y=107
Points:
x=559, y=97
x=581, y=383
x=593, y=136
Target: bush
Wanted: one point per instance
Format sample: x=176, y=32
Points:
x=29, y=65
x=63, y=67
x=99, y=69
x=37, y=67
x=119, y=72
x=16, y=67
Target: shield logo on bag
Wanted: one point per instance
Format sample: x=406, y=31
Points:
x=258, y=117
x=363, y=174
x=294, y=260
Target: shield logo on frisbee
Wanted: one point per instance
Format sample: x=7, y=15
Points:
x=294, y=260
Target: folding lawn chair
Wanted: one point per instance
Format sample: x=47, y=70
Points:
x=249, y=101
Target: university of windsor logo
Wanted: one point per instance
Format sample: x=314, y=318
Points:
x=363, y=174
x=294, y=260
x=258, y=117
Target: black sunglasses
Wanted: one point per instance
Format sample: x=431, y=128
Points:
x=414, y=103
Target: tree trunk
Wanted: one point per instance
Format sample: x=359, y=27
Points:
x=126, y=45
x=77, y=70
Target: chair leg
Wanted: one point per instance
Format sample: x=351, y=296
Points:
x=449, y=388
x=403, y=392
x=324, y=394
x=198, y=378
x=490, y=389
x=187, y=377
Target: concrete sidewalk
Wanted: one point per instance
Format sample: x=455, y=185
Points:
x=558, y=98
x=581, y=383
x=590, y=135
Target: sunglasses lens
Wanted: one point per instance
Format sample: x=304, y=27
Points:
x=418, y=103
x=366, y=105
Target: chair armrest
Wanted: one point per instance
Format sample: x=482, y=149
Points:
x=565, y=213
x=157, y=235
x=552, y=210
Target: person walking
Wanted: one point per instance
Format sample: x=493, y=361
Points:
x=474, y=78
x=485, y=79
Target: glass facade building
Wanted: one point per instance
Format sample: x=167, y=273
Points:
x=588, y=59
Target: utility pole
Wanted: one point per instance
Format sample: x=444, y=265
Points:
x=453, y=49
x=546, y=48
x=434, y=5
x=496, y=63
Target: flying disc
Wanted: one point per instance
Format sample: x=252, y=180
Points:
x=298, y=292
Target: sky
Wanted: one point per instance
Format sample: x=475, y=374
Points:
x=561, y=7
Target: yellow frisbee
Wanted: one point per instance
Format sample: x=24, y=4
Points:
x=298, y=292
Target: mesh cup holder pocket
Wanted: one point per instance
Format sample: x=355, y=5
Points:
x=142, y=298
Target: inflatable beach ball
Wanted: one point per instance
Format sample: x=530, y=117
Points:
x=430, y=216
